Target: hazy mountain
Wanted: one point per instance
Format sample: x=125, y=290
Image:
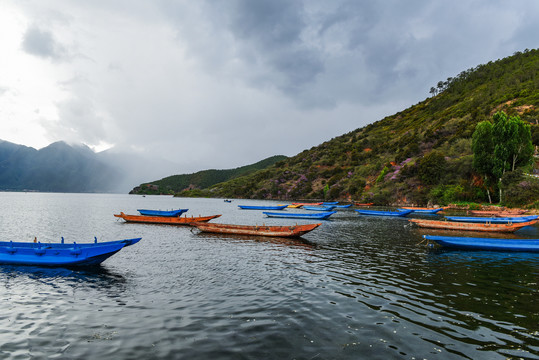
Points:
x=58, y=167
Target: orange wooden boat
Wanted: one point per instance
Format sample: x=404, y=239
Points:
x=455, y=225
x=264, y=230
x=165, y=220
x=363, y=204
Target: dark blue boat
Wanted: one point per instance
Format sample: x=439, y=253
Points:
x=291, y=215
x=253, y=207
x=492, y=220
x=169, y=213
x=384, y=213
x=330, y=203
x=60, y=254
x=470, y=243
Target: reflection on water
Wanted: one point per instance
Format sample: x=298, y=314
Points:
x=357, y=287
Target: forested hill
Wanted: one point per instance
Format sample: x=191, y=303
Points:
x=202, y=179
x=419, y=155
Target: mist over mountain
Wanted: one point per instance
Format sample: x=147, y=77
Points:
x=62, y=167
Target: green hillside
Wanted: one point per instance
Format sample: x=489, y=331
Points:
x=420, y=155
x=202, y=179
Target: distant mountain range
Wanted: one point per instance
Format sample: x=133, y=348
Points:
x=61, y=167
x=58, y=167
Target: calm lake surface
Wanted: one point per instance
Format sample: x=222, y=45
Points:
x=356, y=288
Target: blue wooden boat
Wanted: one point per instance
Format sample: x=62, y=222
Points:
x=422, y=210
x=492, y=220
x=343, y=206
x=384, y=213
x=60, y=254
x=319, y=208
x=167, y=213
x=330, y=203
x=471, y=243
x=291, y=215
x=252, y=207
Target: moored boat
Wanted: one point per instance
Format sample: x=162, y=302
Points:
x=492, y=220
x=320, y=208
x=166, y=213
x=60, y=254
x=330, y=203
x=498, y=213
x=363, y=204
x=316, y=215
x=471, y=243
x=343, y=206
x=384, y=213
x=468, y=226
x=308, y=204
x=253, y=207
x=422, y=210
x=257, y=230
x=165, y=220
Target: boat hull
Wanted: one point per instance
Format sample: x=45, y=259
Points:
x=455, y=225
x=171, y=213
x=492, y=220
x=384, y=213
x=469, y=243
x=274, y=231
x=319, y=208
x=164, y=220
x=251, y=207
x=317, y=216
x=423, y=210
x=60, y=255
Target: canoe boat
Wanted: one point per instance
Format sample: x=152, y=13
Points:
x=422, y=210
x=363, y=204
x=498, y=212
x=492, y=220
x=165, y=220
x=294, y=206
x=169, y=213
x=319, y=216
x=330, y=203
x=343, y=206
x=485, y=243
x=308, y=204
x=279, y=231
x=384, y=213
x=251, y=207
x=60, y=254
x=320, y=208
x=456, y=225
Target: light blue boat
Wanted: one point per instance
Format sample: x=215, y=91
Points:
x=423, y=211
x=60, y=254
x=291, y=215
x=384, y=213
x=252, y=207
x=343, y=206
x=470, y=243
x=166, y=213
x=492, y=220
x=319, y=208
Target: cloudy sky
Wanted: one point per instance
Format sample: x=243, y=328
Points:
x=224, y=83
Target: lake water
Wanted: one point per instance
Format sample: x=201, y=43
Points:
x=356, y=288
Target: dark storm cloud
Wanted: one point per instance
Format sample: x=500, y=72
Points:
x=41, y=43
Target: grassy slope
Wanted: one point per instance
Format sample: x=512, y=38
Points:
x=418, y=155
x=203, y=179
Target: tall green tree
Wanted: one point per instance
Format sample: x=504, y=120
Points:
x=501, y=146
x=483, y=150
